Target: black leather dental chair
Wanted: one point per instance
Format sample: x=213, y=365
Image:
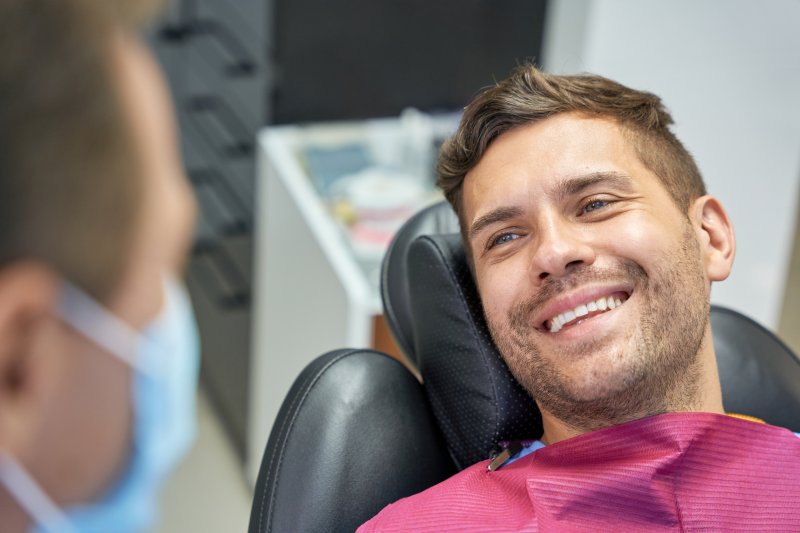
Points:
x=358, y=431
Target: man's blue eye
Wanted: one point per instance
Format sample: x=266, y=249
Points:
x=504, y=238
x=594, y=204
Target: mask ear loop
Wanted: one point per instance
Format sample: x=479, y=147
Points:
x=99, y=325
x=31, y=497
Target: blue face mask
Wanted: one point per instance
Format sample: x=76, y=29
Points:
x=165, y=359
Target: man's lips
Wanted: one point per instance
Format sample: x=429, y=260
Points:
x=580, y=305
x=585, y=311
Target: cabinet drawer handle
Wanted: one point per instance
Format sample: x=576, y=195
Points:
x=224, y=115
x=221, y=279
x=242, y=64
x=186, y=24
x=211, y=177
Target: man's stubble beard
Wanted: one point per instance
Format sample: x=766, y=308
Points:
x=661, y=365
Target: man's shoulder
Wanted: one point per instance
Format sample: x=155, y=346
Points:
x=471, y=496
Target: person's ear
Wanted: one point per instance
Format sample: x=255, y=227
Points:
x=715, y=235
x=28, y=293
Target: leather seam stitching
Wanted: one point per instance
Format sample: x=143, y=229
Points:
x=388, y=309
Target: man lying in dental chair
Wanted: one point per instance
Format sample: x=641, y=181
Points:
x=594, y=244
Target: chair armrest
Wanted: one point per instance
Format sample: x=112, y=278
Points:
x=354, y=434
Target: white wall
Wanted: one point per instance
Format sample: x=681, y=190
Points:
x=729, y=71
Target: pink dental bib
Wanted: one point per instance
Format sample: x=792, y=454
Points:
x=671, y=472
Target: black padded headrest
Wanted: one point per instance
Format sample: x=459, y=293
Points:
x=434, y=220
x=474, y=397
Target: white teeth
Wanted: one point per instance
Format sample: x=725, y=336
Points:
x=601, y=304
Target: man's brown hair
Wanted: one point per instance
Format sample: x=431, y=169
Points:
x=69, y=177
x=530, y=95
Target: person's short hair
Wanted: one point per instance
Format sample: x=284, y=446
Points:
x=69, y=174
x=530, y=95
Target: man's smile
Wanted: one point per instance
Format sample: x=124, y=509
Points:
x=578, y=306
x=584, y=311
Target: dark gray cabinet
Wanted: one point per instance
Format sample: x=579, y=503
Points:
x=214, y=55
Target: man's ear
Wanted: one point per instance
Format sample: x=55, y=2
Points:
x=28, y=293
x=715, y=235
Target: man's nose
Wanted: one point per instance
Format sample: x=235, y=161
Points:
x=560, y=247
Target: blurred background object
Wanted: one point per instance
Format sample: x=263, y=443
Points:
x=331, y=196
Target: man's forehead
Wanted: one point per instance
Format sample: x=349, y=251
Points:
x=554, y=157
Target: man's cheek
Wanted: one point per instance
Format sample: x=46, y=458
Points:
x=497, y=299
x=638, y=236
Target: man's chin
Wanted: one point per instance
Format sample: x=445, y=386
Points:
x=596, y=391
x=581, y=360
x=603, y=382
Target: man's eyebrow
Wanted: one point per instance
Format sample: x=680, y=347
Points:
x=562, y=189
x=576, y=184
x=499, y=214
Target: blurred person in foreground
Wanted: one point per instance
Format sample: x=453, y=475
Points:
x=594, y=244
x=98, y=346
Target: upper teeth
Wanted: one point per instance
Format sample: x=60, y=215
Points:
x=601, y=304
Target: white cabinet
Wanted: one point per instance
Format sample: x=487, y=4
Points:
x=313, y=292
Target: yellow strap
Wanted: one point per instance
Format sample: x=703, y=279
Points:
x=746, y=417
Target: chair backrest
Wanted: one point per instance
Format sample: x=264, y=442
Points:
x=760, y=375
x=357, y=431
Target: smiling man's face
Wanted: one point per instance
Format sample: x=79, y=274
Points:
x=594, y=284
